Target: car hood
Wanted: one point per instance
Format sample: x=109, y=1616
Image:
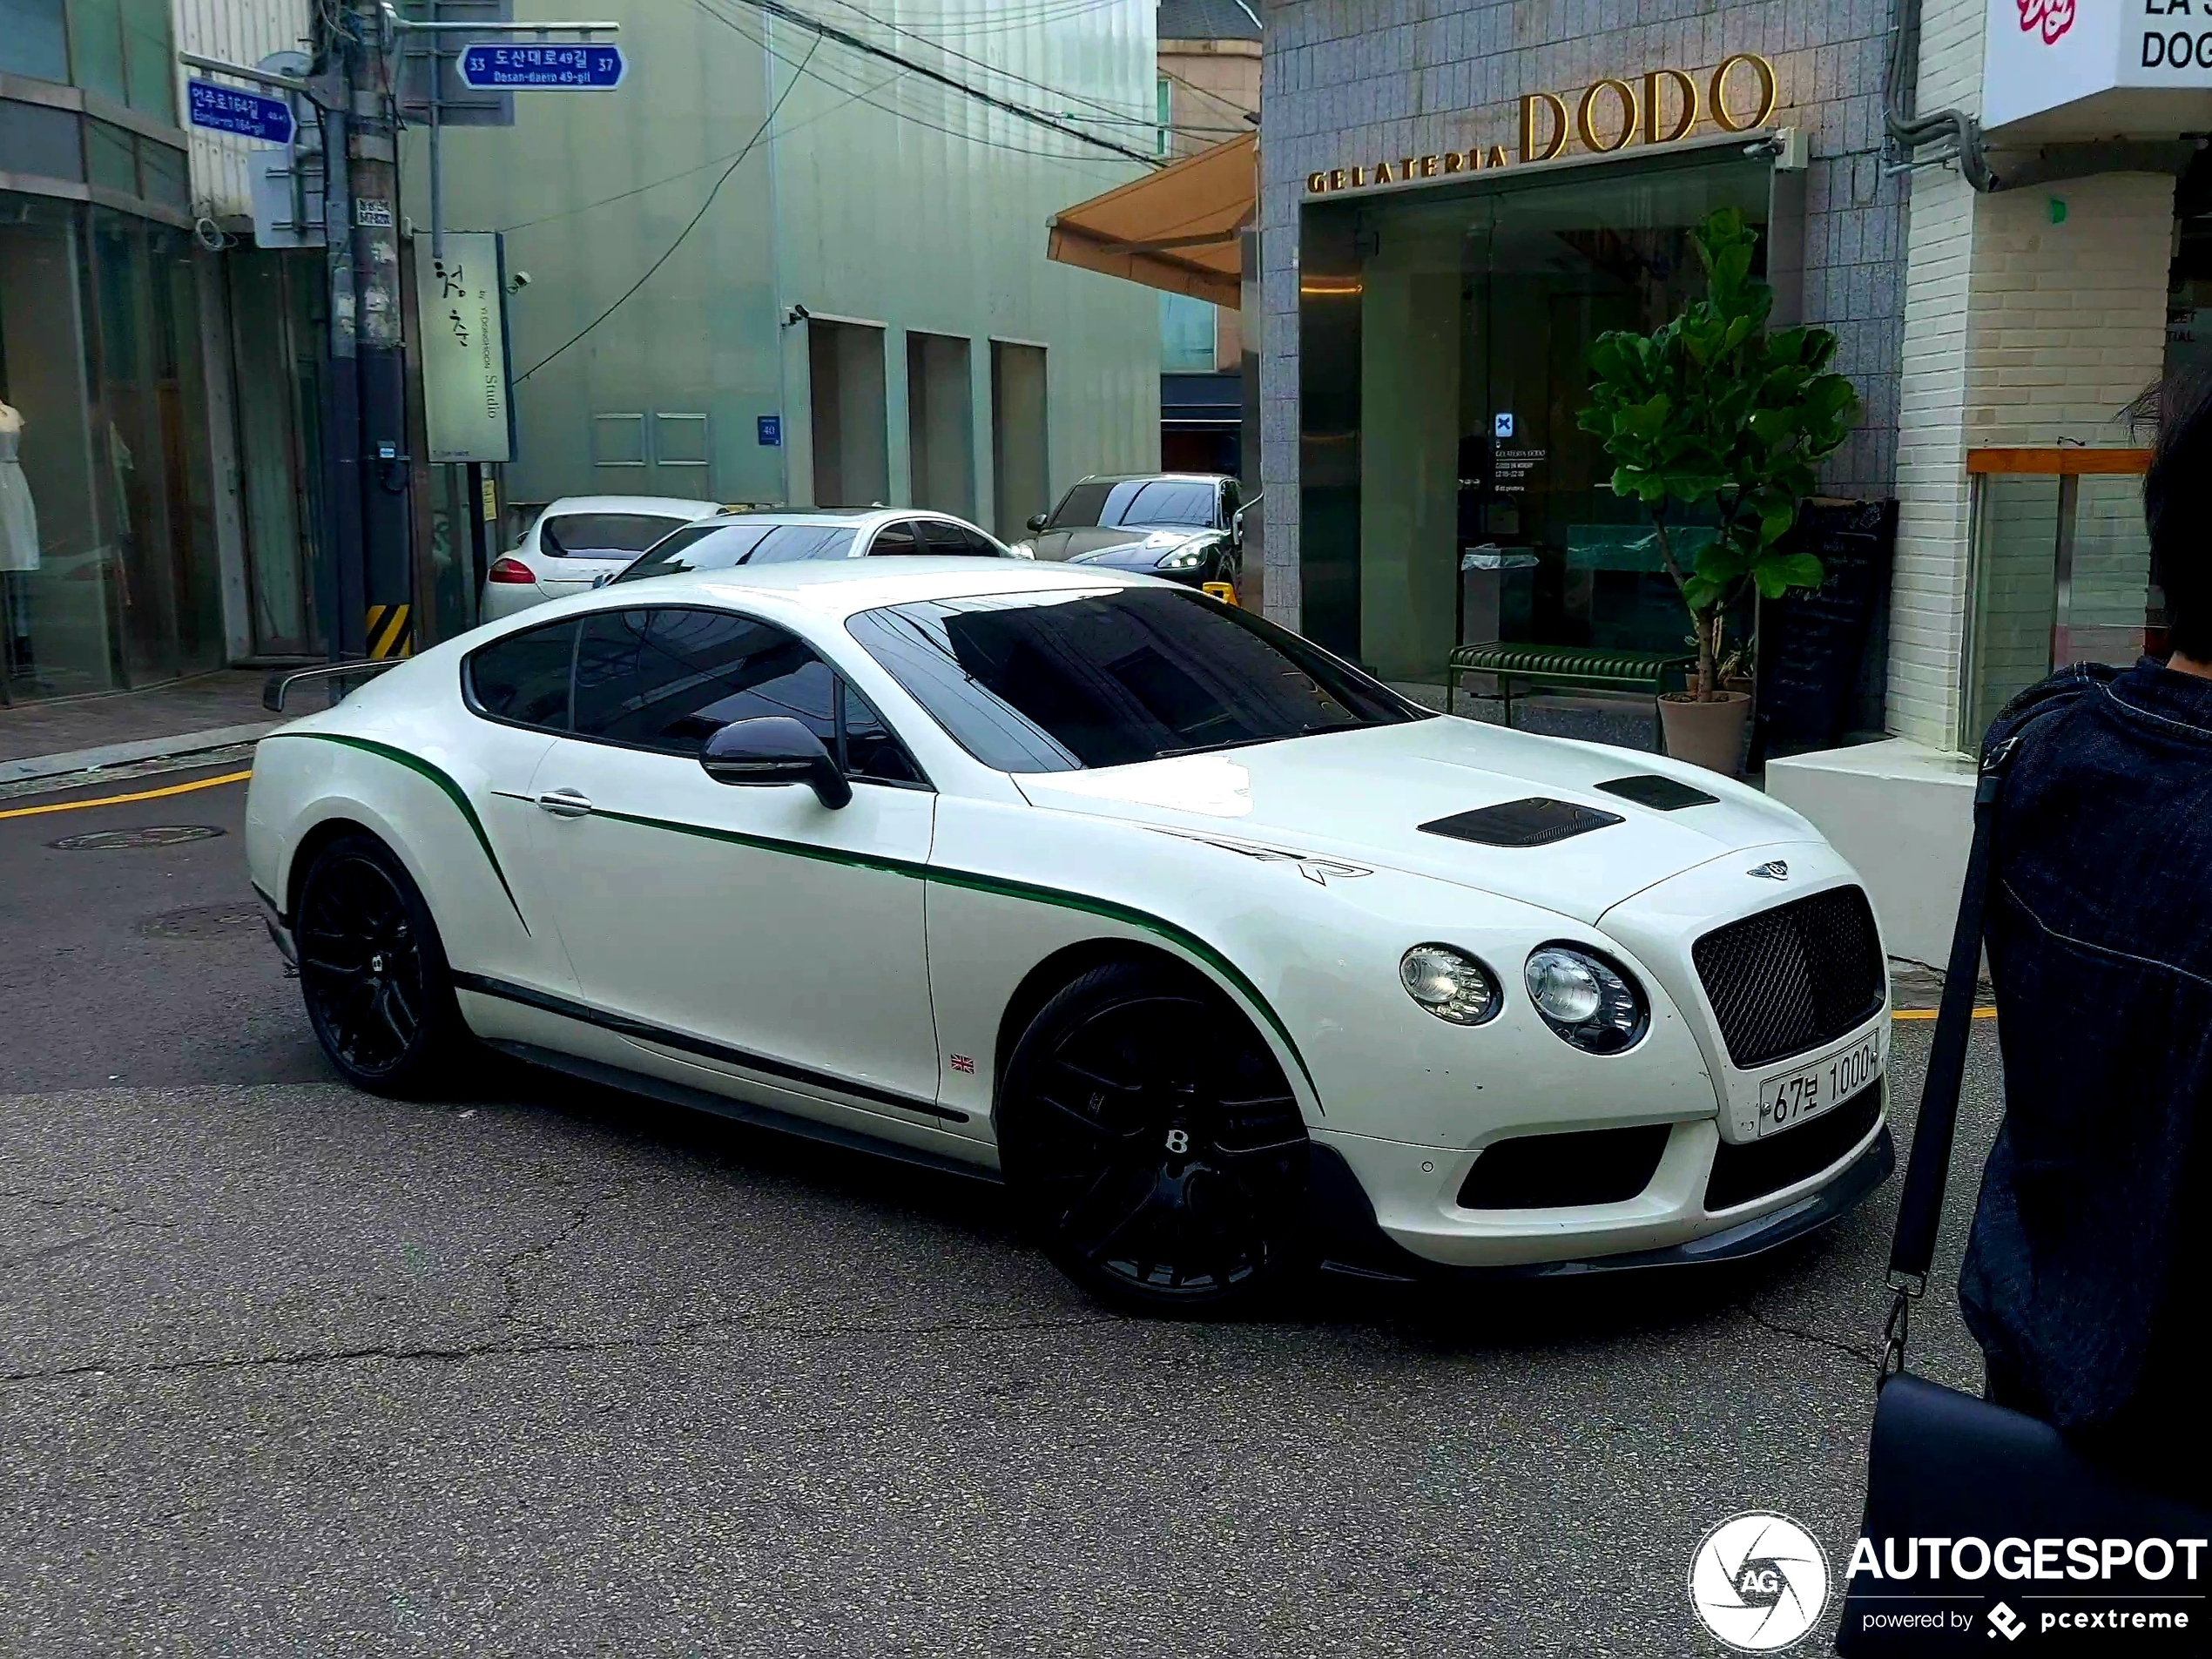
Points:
x=1144, y=552
x=1361, y=798
x=1073, y=544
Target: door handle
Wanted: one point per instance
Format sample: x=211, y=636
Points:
x=564, y=803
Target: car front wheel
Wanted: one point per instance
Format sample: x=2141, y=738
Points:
x=1153, y=1145
x=372, y=970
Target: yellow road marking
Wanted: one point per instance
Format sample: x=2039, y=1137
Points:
x=120, y=800
x=1930, y=1013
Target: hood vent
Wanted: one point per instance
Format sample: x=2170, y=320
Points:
x=1661, y=794
x=1537, y=821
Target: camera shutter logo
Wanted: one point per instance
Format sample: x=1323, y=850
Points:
x=1758, y=1581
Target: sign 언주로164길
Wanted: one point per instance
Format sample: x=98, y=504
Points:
x=533, y=67
x=226, y=109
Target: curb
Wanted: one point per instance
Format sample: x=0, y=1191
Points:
x=117, y=754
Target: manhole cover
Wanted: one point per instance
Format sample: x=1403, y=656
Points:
x=203, y=921
x=153, y=835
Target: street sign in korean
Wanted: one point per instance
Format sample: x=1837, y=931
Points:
x=226, y=109
x=526, y=67
x=458, y=300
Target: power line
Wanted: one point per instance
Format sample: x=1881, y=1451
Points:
x=1108, y=110
x=736, y=161
x=852, y=42
x=1060, y=157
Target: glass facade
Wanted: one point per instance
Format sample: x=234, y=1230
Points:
x=107, y=559
x=1443, y=334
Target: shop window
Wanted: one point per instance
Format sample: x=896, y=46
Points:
x=33, y=41
x=111, y=159
x=2061, y=574
x=164, y=175
x=41, y=142
x=1443, y=339
x=96, y=48
x=149, y=58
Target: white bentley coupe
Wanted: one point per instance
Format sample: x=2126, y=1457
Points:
x=1227, y=958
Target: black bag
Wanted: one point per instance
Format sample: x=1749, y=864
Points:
x=1943, y=1465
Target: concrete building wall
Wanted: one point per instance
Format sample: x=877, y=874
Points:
x=1351, y=79
x=873, y=195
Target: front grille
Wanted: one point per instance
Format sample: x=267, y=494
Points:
x=1553, y=1171
x=1791, y=978
x=1743, y=1172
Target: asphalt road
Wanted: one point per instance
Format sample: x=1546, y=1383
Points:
x=548, y=1370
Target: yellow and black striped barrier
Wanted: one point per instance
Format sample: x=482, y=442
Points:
x=388, y=632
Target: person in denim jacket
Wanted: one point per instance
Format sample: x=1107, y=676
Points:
x=2085, y=1277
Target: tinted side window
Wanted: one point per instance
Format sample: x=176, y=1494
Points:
x=870, y=750
x=955, y=538
x=524, y=678
x=897, y=538
x=602, y=535
x=1080, y=507
x=670, y=678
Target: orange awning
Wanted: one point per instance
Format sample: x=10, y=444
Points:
x=1175, y=229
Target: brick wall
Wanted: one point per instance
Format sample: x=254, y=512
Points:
x=2017, y=331
x=1346, y=78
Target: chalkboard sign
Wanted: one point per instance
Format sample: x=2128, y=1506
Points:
x=1811, y=643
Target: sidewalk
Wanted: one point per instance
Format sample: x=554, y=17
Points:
x=45, y=739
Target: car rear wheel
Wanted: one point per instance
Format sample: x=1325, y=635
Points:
x=373, y=971
x=1153, y=1144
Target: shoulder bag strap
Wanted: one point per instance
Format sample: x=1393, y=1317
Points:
x=1919, y=1212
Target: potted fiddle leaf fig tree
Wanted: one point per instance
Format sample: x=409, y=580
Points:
x=1714, y=423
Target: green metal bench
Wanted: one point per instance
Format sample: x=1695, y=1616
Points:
x=1596, y=668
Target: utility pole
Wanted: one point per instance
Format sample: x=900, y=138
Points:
x=381, y=616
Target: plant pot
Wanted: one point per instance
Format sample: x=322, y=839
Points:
x=1707, y=734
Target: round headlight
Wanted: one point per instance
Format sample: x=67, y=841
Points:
x=1589, y=1001
x=1449, y=983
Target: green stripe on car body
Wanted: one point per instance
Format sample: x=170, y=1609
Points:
x=453, y=792
x=997, y=887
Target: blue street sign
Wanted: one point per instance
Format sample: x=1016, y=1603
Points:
x=577, y=67
x=248, y=114
x=769, y=428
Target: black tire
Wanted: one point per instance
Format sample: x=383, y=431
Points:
x=373, y=971
x=1153, y=1145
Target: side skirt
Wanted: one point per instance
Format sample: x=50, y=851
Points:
x=741, y=1111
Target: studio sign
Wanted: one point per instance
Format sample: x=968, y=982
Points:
x=1607, y=116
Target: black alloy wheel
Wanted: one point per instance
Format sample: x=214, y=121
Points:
x=372, y=970
x=1152, y=1141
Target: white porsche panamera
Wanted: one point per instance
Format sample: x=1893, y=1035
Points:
x=1224, y=957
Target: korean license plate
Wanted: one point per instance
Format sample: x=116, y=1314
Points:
x=1789, y=1100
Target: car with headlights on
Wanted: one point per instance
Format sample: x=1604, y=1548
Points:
x=1224, y=957
x=1184, y=527
x=578, y=541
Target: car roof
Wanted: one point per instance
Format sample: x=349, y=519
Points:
x=678, y=507
x=844, y=518
x=841, y=587
x=1154, y=478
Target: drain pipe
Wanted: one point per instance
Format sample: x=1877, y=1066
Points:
x=1908, y=131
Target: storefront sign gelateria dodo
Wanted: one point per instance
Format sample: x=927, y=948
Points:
x=1610, y=113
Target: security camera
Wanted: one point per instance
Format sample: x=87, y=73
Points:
x=797, y=314
x=517, y=281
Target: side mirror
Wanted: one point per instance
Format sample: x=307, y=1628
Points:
x=770, y=751
x=1037, y=520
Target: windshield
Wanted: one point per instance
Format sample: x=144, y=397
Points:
x=602, y=536
x=1057, y=682
x=1137, y=503
x=718, y=547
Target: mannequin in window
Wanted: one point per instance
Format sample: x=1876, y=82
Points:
x=18, y=544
